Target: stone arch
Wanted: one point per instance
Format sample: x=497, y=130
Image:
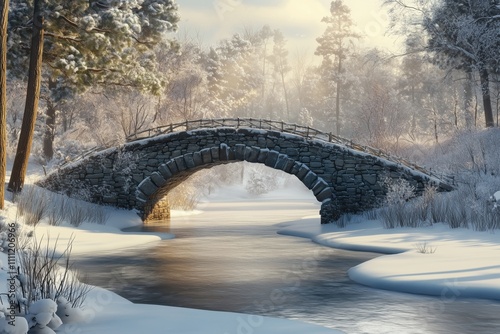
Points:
x=151, y=191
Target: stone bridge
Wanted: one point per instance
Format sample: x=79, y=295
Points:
x=344, y=177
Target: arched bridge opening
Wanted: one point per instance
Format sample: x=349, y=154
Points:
x=154, y=188
x=343, y=177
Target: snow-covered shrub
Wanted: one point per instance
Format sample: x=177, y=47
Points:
x=397, y=211
x=42, y=317
x=43, y=273
x=32, y=204
x=261, y=180
x=67, y=312
x=18, y=325
x=56, y=209
x=76, y=214
x=439, y=210
x=399, y=191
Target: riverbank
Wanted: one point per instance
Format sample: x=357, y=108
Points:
x=435, y=260
x=107, y=312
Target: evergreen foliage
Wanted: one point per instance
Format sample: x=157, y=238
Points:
x=105, y=42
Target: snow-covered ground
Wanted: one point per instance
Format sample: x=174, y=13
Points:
x=436, y=260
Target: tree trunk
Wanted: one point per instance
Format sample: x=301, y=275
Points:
x=485, y=90
x=286, y=96
x=337, y=98
x=48, y=135
x=50, y=125
x=20, y=166
x=468, y=99
x=3, y=98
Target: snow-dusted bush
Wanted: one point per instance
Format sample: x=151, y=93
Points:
x=67, y=312
x=399, y=191
x=18, y=325
x=35, y=204
x=184, y=197
x=397, y=211
x=424, y=248
x=32, y=204
x=42, y=317
x=261, y=180
x=43, y=273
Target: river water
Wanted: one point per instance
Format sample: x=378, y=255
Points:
x=230, y=258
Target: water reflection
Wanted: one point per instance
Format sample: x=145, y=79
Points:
x=220, y=261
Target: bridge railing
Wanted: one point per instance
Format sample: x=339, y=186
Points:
x=304, y=131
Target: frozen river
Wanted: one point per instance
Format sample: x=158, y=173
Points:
x=230, y=258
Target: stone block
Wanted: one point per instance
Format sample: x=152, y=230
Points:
x=158, y=180
x=370, y=178
x=319, y=186
x=296, y=167
x=309, y=179
x=223, y=153
x=282, y=161
x=272, y=158
x=206, y=156
x=316, y=164
x=189, y=161
x=302, y=172
x=197, y=159
x=324, y=194
x=239, y=152
x=138, y=177
x=215, y=153
x=147, y=187
x=263, y=155
x=292, y=152
x=172, y=166
x=181, y=164
x=141, y=196
x=253, y=155
x=165, y=171
x=290, y=163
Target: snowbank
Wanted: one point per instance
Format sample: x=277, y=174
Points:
x=107, y=312
x=437, y=260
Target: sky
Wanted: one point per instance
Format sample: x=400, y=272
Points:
x=299, y=20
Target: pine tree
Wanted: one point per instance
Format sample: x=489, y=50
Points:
x=97, y=42
x=335, y=43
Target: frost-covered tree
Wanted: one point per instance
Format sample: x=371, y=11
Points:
x=4, y=10
x=281, y=68
x=102, y=42
x=185, y=96
x=460, y=35
x=233, y=81
x=334, y=43
x=464, y=35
